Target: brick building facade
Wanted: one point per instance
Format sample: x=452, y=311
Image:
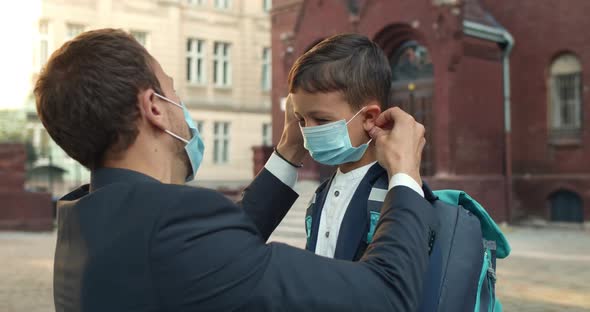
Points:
x=499, y=85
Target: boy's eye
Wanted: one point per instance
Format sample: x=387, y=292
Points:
x=322, y=121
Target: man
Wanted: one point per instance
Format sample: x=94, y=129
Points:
x=136, y=239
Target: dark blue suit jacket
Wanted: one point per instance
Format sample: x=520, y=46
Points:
x=130, y=243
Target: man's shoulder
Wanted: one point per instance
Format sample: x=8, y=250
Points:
x=182, y=201
x=183, y=195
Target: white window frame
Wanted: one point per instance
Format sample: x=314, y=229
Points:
x=195, y=60
x=195, y=2
x=43, y=49
x=266, y=5
x=221, y=142
x=266, y=134
x=200, y=124
x=565, y=84
x=223, y=4
x=141, y=36
x=222, y=67
x=266, y=79
x=73, y=30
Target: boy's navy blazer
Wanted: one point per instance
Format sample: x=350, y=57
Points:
x=352, y=238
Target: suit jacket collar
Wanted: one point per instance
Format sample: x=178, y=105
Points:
x=104, y=176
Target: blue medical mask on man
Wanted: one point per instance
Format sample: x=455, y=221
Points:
x=330, y=144
x=194, y=147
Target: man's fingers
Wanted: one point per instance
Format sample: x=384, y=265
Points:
x=387, y=117
x=376, y=132
x=421, y=146
x=421, y=129
x=392, y=116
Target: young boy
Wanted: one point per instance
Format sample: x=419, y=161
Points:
x=338, y=89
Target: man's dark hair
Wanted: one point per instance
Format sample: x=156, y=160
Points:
x=87, y=94
x=349, y=63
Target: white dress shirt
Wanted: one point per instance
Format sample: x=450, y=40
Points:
x=338, y=198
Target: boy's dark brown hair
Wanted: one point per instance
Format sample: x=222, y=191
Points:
x=87, y=94
x=349, y=63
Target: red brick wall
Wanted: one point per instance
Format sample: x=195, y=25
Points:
x=542, y=30
x=25, y=211
x=20, y=210
x=477, y=114
x=487, y=190
x=12, y=167
x=534, y=191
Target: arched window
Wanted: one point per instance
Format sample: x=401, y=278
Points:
x=565, y=100
x=566, y=206
x=411, y=62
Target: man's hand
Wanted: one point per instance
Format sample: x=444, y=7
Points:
x=399, y=141
x=291, y=144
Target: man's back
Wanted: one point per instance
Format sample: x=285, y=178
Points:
x=104, y=246
x=116, y=242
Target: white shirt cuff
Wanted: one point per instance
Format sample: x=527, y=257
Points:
x=282, y=170
x=402, y=179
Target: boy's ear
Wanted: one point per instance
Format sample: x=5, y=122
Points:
x=372, y=111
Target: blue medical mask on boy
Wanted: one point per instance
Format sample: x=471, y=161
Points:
x=194, y=147
x=330, y=144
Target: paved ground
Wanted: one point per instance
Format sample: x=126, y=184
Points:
x=549, y=269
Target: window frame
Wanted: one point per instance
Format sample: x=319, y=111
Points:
x=43, y=51
x=79, y=27
x=267, y=134
x=136, y=34
x=266, y=77
x=221, y=142
x=222, y=4
x=222, y=66
x=196, y=52
x=565, y=96
x=266, y=5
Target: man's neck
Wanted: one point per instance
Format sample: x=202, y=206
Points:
x=148, y=160
x=368, y=157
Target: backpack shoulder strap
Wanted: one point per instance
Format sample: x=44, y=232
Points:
x=490, y=230
x=375, y=202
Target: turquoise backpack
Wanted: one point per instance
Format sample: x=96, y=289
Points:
x=495, y=246
x=470, y=241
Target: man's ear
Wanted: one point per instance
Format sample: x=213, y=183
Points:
x=152, y=109
x=371, y=112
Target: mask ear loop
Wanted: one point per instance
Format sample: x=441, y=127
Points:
x=362, y=109
x=179, y=105
x=168, y=100
x=177, y=136
x=357, y=113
